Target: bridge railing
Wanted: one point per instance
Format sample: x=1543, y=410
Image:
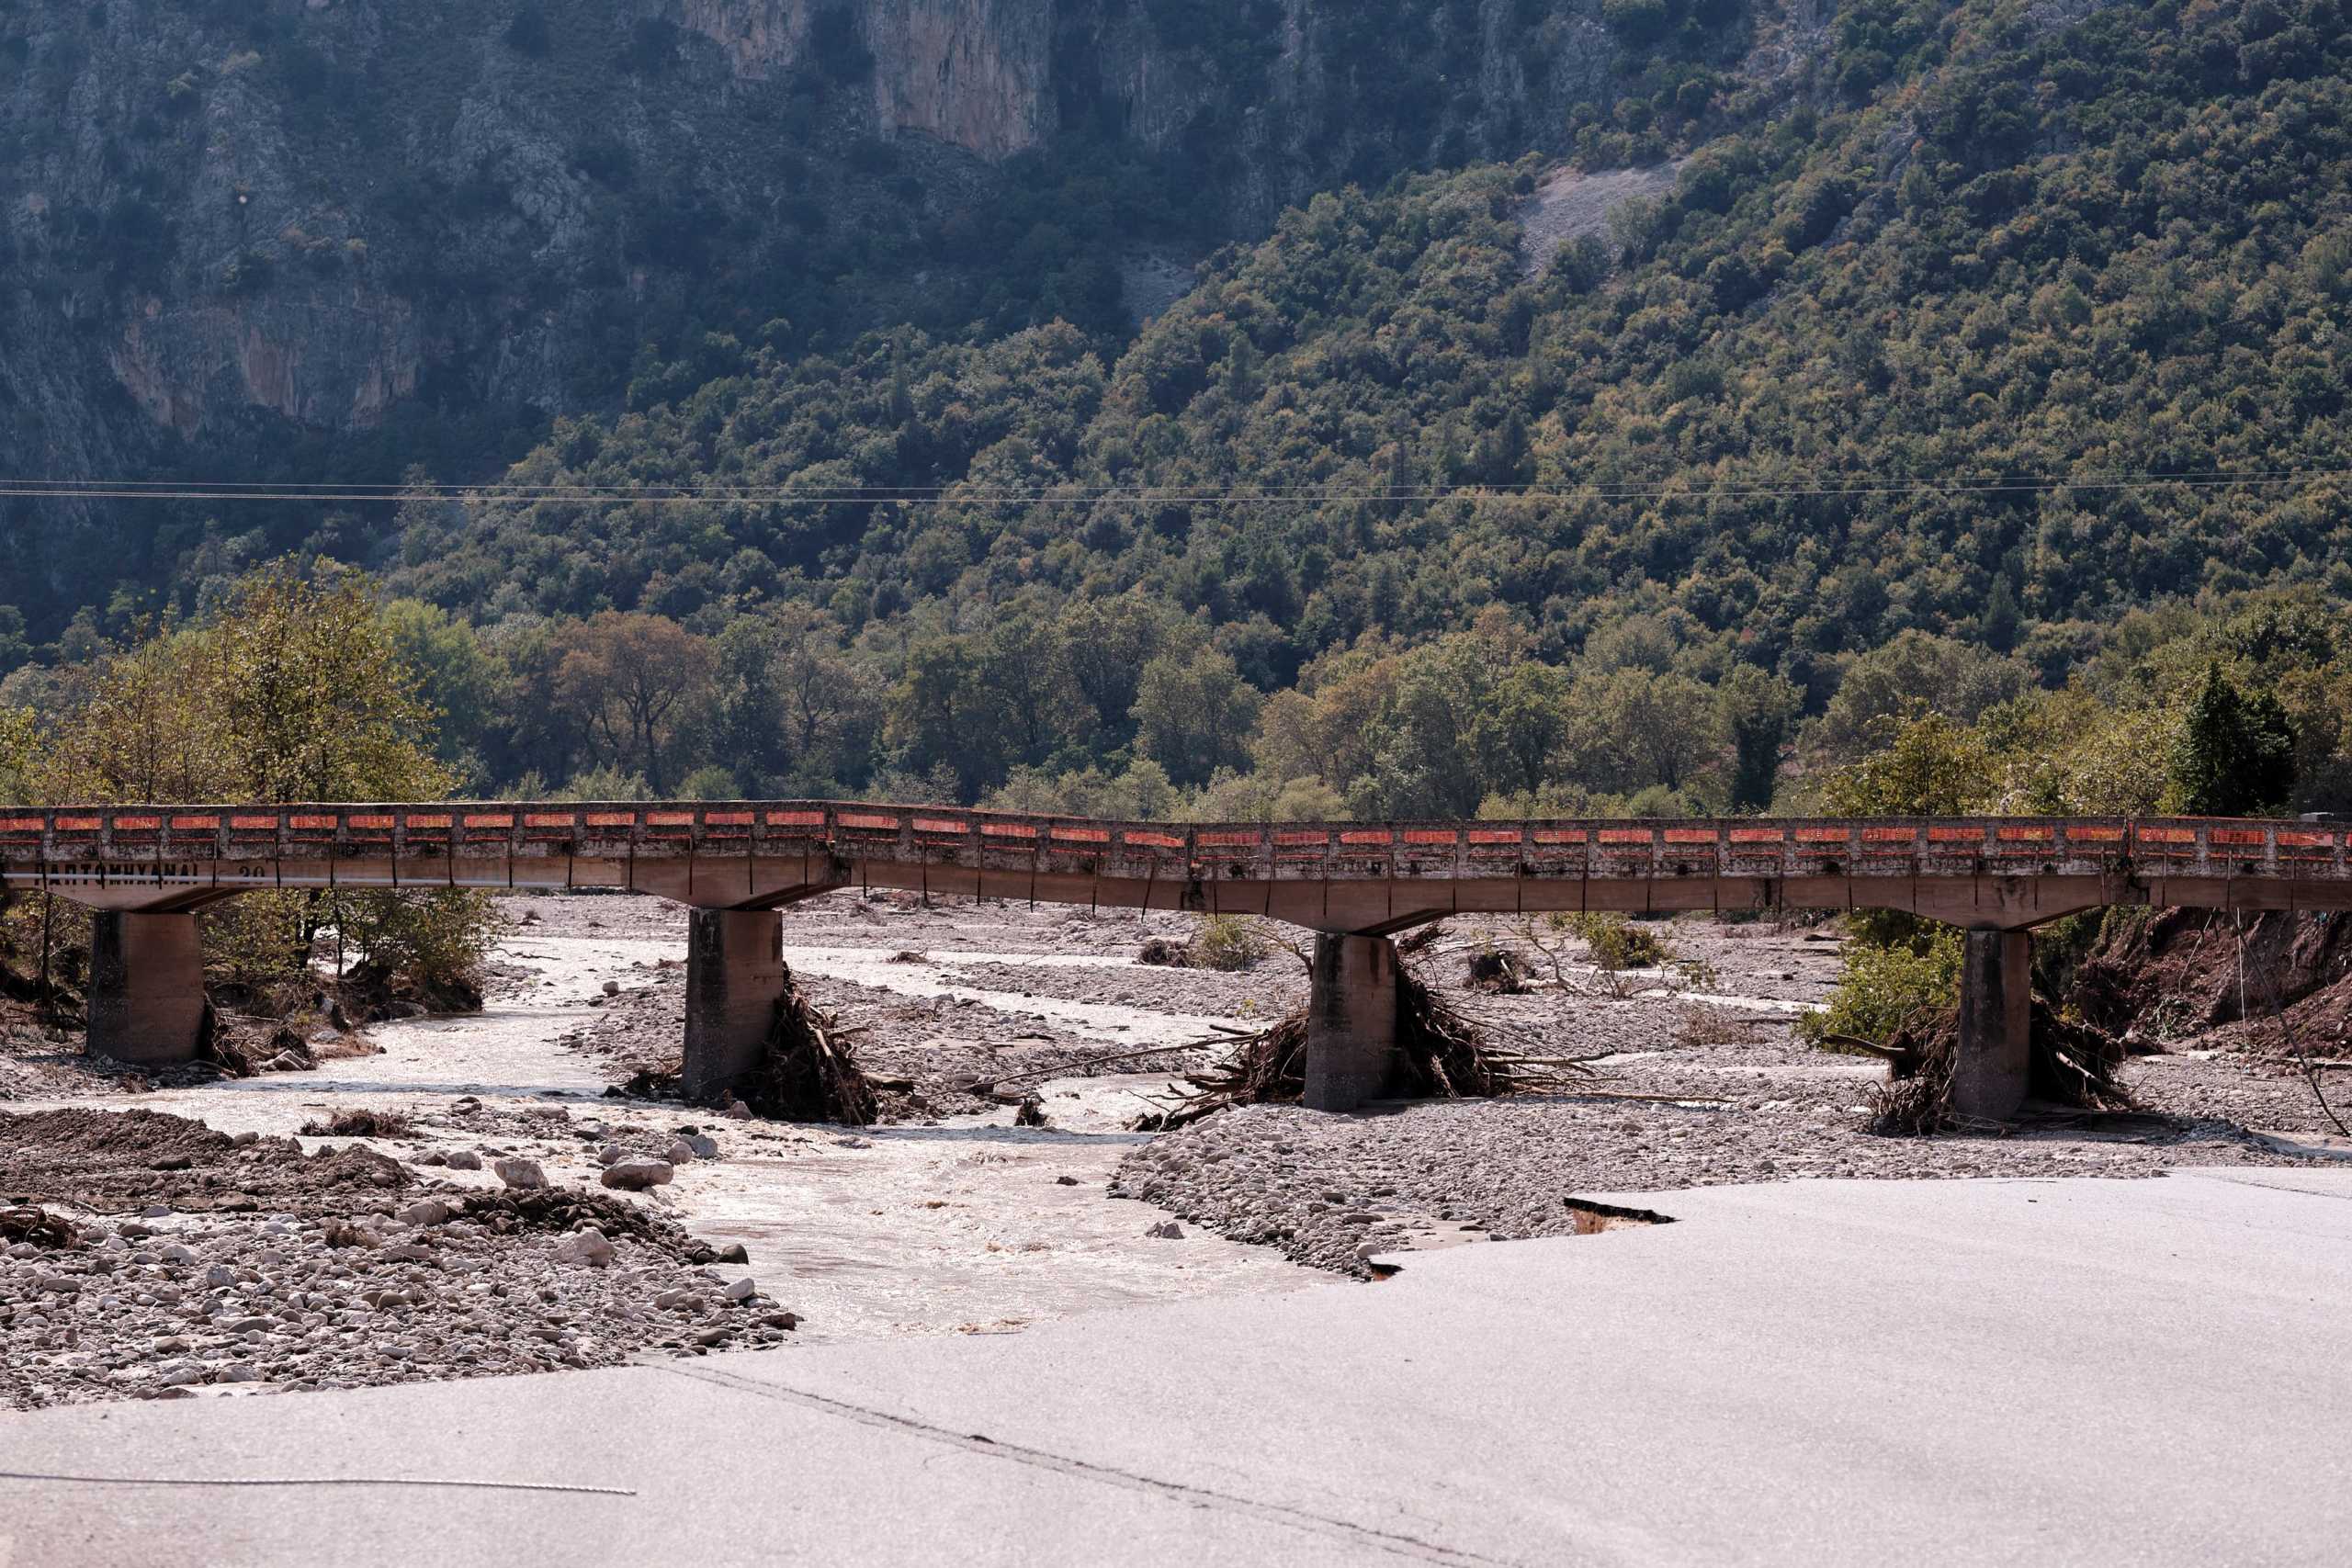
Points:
x=148, y=835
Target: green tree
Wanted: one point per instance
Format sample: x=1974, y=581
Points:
x=18, y=735
x=13, y=650
x=1932, y=767
x=1633, y=727
x=2235, y=754
x=1193, y=715
x=1915, y=672
x=457, y=674
x=1757, y=710
x=942, y=715
x=638, y=686
x=293, y=690
x=1520, y=726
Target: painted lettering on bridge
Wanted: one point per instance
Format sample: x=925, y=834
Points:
x=127, y=870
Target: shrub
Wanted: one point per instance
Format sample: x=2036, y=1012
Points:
x=1618, y=943
x=435, y=941
x=1881, y=989
x=1228, y=942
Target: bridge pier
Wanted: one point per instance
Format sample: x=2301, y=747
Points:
x=1350, y=1020
x=735, y=976
x=146, y=988
x=1992, y=1064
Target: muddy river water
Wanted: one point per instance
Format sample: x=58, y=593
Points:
x=968, y=1225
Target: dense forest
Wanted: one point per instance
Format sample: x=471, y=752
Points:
x=1989, y=360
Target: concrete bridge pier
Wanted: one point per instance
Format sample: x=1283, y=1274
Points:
x=1351, y=1021
x=146, y=988
x=1992, y=1067
x=735, y=976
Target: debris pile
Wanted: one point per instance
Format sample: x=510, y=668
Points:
x=359, y=1122
x=1498, y=973
x=1442, y=1055
x=37, y=1227
x=2072, y=1064
x=558, y=1210
x=809, y=1074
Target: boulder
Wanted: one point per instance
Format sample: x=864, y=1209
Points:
x=464, y=1159
x=637, y=1174
x=586, y=1246
x=521, y=1174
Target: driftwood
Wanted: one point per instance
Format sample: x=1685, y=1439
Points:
x=1498, y=973
x=1442, y=1055
x=808, y=1073
x=2072, y=1064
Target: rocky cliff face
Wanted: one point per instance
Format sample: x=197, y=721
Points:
x=227, y=223
x=977, y=74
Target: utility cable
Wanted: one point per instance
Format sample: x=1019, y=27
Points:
x=937, y=496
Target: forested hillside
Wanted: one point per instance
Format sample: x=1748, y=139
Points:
x=1973, y=351
x=323, y=240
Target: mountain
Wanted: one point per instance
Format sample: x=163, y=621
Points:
x=1792, y=407
x=1807, y=368
x=332, y=239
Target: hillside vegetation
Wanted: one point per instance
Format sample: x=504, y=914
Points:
x=299, y=241
x=1389, y=515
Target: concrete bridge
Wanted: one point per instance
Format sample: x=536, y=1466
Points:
x=146, y=869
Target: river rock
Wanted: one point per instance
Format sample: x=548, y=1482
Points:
x=586, y=1246
x=464, y=1159
x=638, y=1173
x=522, y=1174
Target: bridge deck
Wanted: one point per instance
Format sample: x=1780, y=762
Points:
x=2003, y=871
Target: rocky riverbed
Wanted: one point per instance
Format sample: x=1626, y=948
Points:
x=244, y=1235
x=240, y=1235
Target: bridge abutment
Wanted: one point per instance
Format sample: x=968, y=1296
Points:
x=735, y=976
x=1991, y=1064
x=1350, y=1020
x=146, y=988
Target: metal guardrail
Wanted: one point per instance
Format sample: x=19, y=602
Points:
x=2168, y=847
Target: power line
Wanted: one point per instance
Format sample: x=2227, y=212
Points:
x=939, y=496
